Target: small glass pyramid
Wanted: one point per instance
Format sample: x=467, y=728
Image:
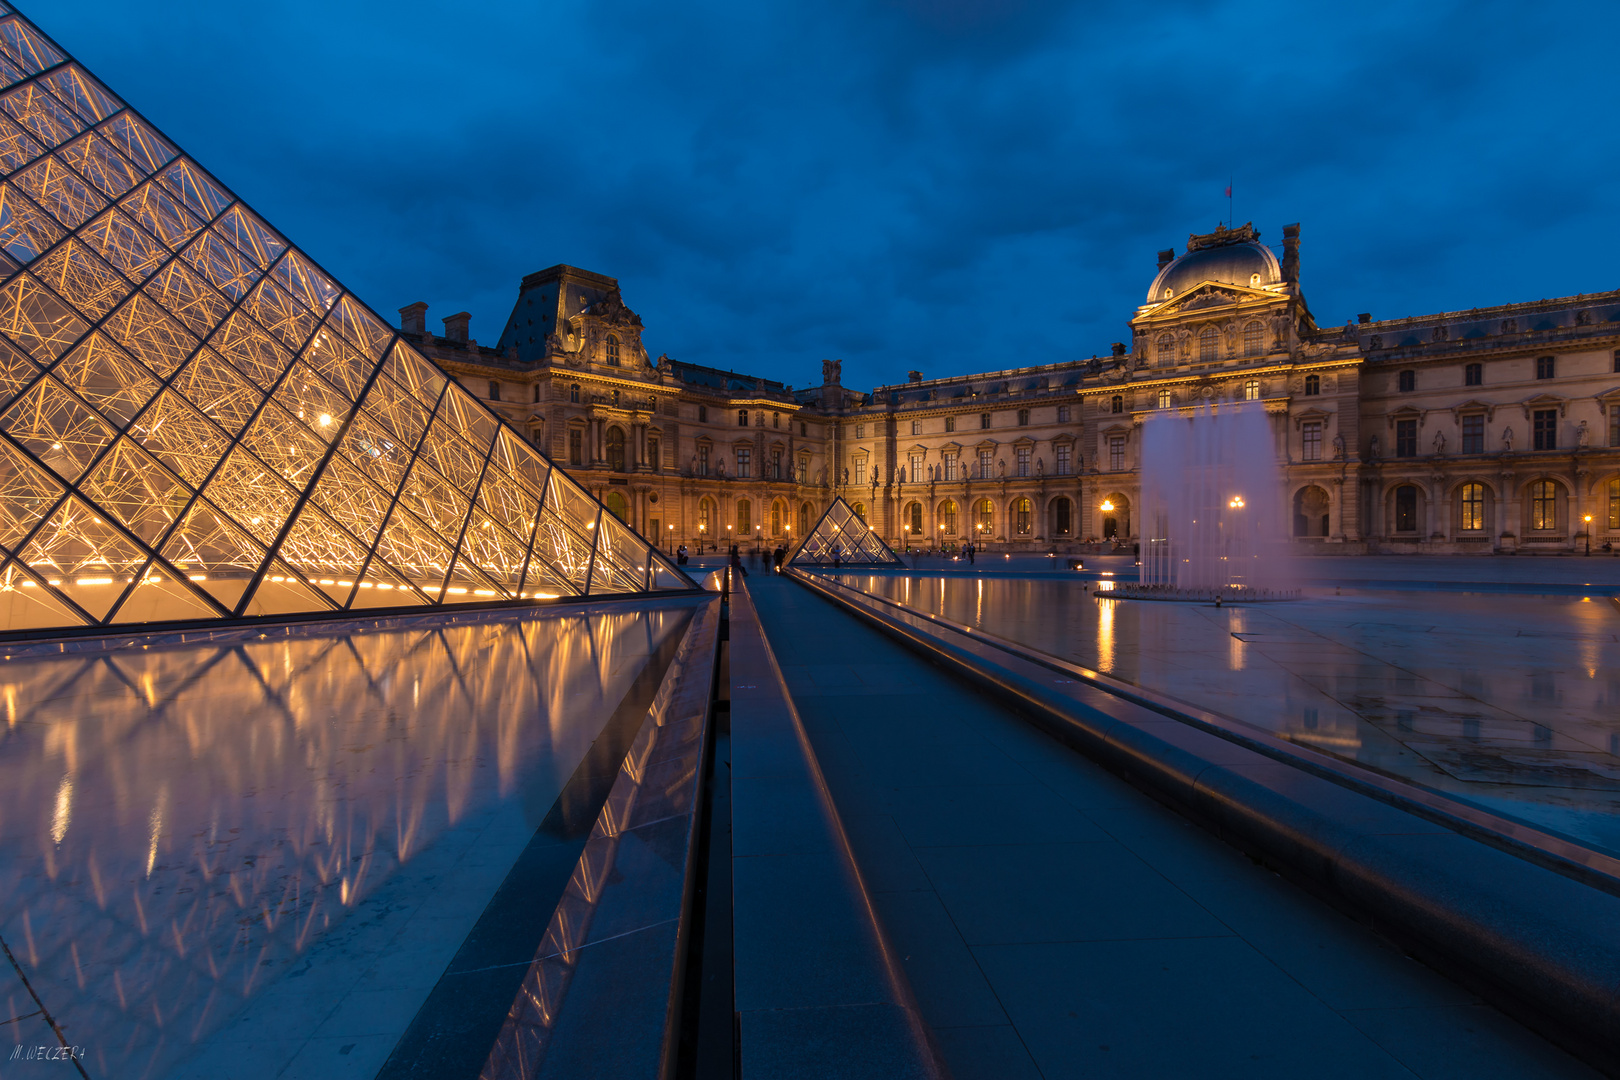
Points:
x=196, y=422
x=842, y=538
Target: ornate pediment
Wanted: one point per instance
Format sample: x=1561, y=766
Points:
x=1473, y=405
x=1545, y=401
x=1207, y=297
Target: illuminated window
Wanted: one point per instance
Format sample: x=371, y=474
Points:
x=1471, y=501
x=1313, y=385
x=914, y=519
x=617, y=505
x=1251, y=390
x=745, y=518
x=776, y=518
x=1407, y=380
x=1544, y=505
x=1474, y=375
x=706, y=515
x=985, y=513
x=1164, y=399
x=1254, y=339
x=1023, y=517
x=859, y=510
x=1208, y=345
x=1614, y=503
x=1473, y=434
x=1406, y=506
x=613, y=350
x=947, y=517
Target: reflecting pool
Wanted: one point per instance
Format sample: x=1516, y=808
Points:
x=215, y=854
x=1510, y=701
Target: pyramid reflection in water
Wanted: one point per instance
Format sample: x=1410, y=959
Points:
x=842, y=537
x=197, y=422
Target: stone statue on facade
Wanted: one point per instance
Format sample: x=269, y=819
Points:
x=1040, y=467
x=1439, y=443
x=1372, y=448
x=1507, y=440
x=1582, y=436
x=1338, y=447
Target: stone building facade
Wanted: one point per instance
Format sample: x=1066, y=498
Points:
x=1491, y=430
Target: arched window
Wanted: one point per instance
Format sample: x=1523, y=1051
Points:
x=1022, y=517
x=573, y=393
x=1062, y=516
x=1254, y=339
x=615, y=449
x=494, y=390
x=1544, y=505
x=804, y=519
x=985, y=512
x=1167, y=350
x=1117, y=405
x=1406, y=508
x=613, y=350
x=947, y=517
x=745, y=520
x=616, y=505
x=1209, y=345
x=1471, y=503
x=914, y=525
x=706, y=516
x=776, y=518
x=742, y=417
x=1313, y=385
x=1614, y=503
x=1311, y=511
x=859, y=510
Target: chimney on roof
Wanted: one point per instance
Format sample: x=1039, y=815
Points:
x=1364, y=318
x=1119, y=348
x=914, y=376
x=413, y=318
x=1290, y=259
x=1166, y=257
x=455, y=326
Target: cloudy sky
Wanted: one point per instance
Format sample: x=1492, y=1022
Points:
x=947, y=185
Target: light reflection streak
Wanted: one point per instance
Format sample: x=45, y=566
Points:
x=229, y=806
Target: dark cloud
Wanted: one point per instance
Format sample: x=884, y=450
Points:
x=948, y=185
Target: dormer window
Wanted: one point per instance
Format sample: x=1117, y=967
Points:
x=1168, y=292
x=1254, y=281
x=613, y=350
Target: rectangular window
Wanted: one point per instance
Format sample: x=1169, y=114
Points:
x=576, y=447
x=860, y=470
x=1116, y=452
x=916, y=427
x=1164, y=399
x=494, y=390
x=744, y=462
x=655, y=457
x=860, y=431
x=984, y=420
x=1406, y=506
x=1408, y=381
x=916, y=474
x=1474, y=375
x=950, y=423
x=1471, y=501
x=804, y=468
x=1251, y=390
x=1063, y=451
x=1473, y=434
x=742, y=417
x=1544, y=367
x=703, y=461
x=1614, y=504
x=1023, y=461
x=1406, y=438
x=950, y=466
x=1545, y=429
x=1023, y=418
x=1063, y=414
x=1617, y=360
x=1614, y=424
x=703, y=414
x=1311, y=441
x=776, y=464
x=984, y=464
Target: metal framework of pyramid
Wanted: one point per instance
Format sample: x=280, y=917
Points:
x=841, y=530
x=197, y=422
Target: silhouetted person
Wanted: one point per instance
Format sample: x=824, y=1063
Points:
x=736, y=561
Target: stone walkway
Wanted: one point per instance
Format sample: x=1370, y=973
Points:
x=1055, y=922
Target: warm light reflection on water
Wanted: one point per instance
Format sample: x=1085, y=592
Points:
x=1510, y=700
x=179, y=826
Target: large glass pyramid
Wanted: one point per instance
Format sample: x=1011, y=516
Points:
x=841, y=537
x=196, y=422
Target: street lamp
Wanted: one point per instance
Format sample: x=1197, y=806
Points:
x=672, y=539
x=1588, y=520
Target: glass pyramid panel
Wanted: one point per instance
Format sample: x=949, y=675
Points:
x=197, y=421
x=842, y=538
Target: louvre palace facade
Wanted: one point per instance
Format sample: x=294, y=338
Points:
x=1489, y=430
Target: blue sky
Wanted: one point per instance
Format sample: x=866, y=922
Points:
x=943, y=185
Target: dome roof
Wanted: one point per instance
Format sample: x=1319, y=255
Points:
x=1230, y=264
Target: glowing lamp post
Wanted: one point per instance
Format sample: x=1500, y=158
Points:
x=1588, y=520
